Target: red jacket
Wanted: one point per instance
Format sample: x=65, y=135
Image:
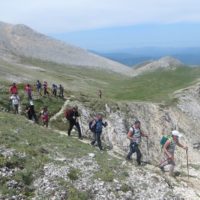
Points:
x=13, y=90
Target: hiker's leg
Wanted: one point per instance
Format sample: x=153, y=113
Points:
x=139, y=155
x=98, y=135
x=29, y=116
x=79, y=130
x=16, y=109
x=94, y=139
x=172, y=167
x=164, y=161
x=71, y=125
x=132, y=150
x=34, y=117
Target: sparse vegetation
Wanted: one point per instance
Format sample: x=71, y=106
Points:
x=74, y=174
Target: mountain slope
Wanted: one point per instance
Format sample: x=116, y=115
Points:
x=167, y=63
x=21, y=40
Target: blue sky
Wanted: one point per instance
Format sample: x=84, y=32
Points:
x=137, y=36
x=106, y=25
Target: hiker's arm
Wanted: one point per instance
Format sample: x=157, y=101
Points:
x=105, y=124
x=182, y=146
x=144, y=135
x=165, y=149
x=77, y=114
x=130, y=135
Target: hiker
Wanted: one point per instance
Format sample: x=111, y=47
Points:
x=96, y=126
x=45, y=117
x=54, y=89
x=45, y=88
x=134, y=135
x=13, y=89
x=61, y=91
x=39, y=87
x=30, y=110
x=100, y=94
x=15, y=103
x=169, y=150
x=28, y=91
x=72, y=117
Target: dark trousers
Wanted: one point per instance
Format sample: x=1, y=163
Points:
x=135, y=149
x=46, y=92
x=77, y=125
x=97, y=138
x=16, y=109
x=54, y=92
x=32, y=116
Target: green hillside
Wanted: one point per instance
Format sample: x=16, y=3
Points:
x=156, y=86
x=26, y=148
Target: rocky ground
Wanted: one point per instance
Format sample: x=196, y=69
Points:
x=71, y=169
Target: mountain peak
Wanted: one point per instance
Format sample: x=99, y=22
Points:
x=167, y=63
x=21, y=40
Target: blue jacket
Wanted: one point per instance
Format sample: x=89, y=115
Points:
x=99, y=126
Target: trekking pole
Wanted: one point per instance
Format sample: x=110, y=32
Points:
x=187, y=163
x=81, y=127
x=148, y=146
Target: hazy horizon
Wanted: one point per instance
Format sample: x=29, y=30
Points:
x=108, y=25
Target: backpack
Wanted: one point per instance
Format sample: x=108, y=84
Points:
x=91, y=126
x=68, y=114
x=164, y=140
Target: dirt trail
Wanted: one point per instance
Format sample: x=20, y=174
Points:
x=54, y=117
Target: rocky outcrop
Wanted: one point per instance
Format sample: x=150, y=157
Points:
x=157, y=119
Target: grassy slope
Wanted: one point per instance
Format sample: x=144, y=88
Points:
x=157, y=86
x=40, y=146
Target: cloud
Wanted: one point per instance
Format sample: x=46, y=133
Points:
x=59, y=16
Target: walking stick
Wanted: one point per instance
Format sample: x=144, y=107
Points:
x=187, y=163
x=81, y=127
x=148, y=146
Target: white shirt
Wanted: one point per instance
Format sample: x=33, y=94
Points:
x=15, y=99
x=136, y=134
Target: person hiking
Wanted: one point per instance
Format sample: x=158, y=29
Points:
x=72, y=117
x=96, y=126
x=28, y=91
x=61, y=91
x=13, y=89
x=100, y=94
x=45, y=88
x=15, y=103
x=45, y=117
x=39, y=87
x=54, y=90
x=30, y=110
x=169, y=150
x=134, y=135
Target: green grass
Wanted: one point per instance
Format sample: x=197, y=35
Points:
x=40, y=146
x=155, y=86
x=53, y=104
x=74, y=174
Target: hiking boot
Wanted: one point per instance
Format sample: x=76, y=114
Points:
x=139, y=163
x=128, y=158
x=92, y=143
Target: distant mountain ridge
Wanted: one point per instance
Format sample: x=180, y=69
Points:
x=133, y=56
x=21, y=40
x=167, y=63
